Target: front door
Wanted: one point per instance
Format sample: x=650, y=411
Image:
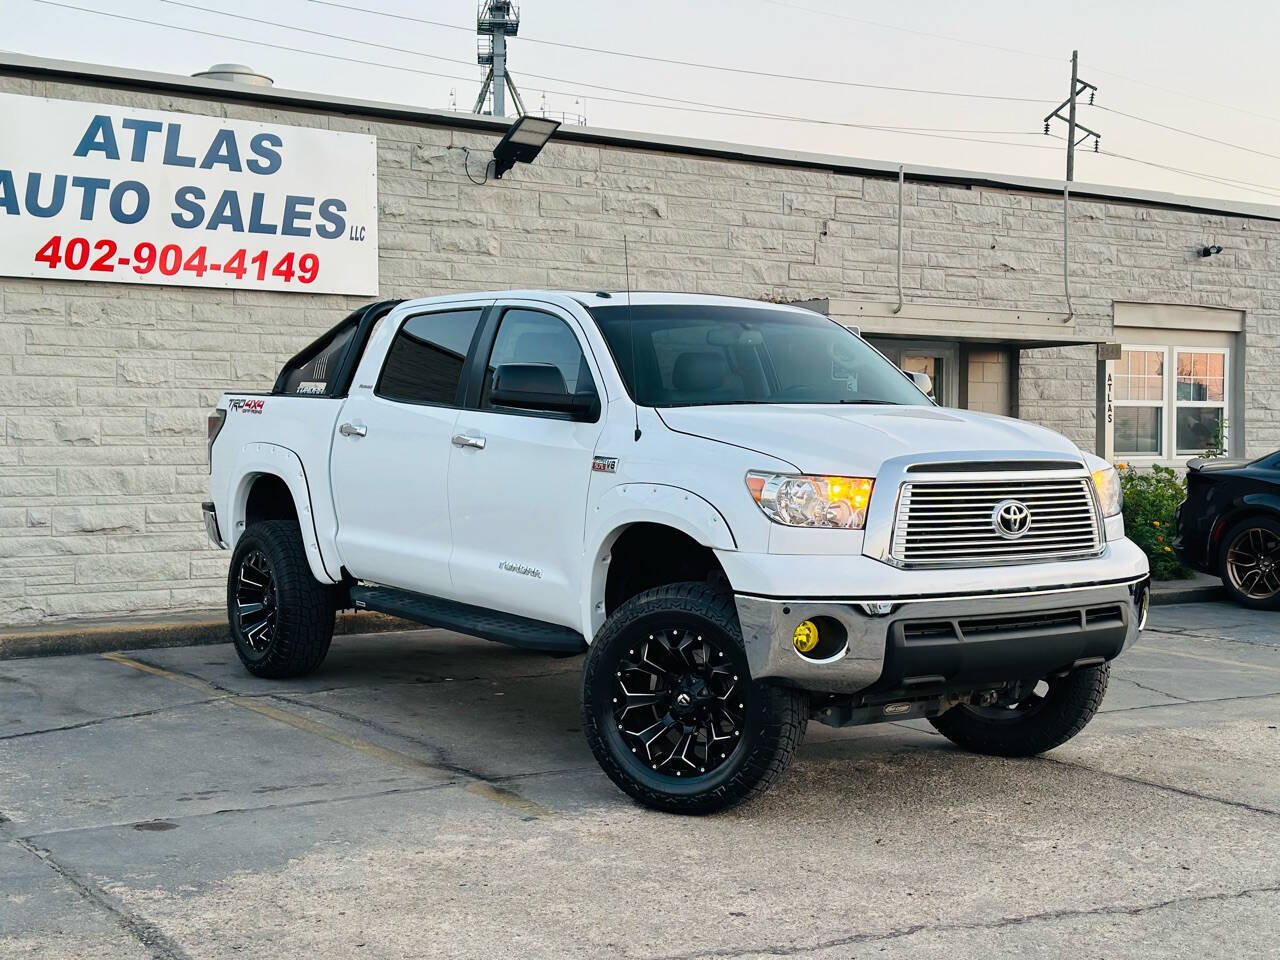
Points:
x=518, y=479
x=390, y=460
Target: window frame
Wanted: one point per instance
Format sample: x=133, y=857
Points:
x=1224, y=404
x=477, y=371
x=483, y=308
x=1169, y=404
x=339, y=386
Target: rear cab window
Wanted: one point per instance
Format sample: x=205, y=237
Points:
x=313, y=375
x=425, y=361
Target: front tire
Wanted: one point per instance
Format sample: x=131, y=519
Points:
x=670, y=710
x=1249, y=563
x=1051, y=714
x=281, y=616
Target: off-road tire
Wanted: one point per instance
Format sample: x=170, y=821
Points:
x=773, y=723
x=304, y=606
x=1269, y=528
x=1069, y=704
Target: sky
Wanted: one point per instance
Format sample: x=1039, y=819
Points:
x=1207, y=69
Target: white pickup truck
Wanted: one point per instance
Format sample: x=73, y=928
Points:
x=743, y=513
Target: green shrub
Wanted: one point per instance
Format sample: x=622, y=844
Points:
x=1150, y=499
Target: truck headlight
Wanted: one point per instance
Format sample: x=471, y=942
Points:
x=804, y=501
x=1110, y=497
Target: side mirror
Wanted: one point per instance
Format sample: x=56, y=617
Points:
x=922, y=381
x=540, y=387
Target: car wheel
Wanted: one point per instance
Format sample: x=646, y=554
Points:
x=670, y=709
x=1249, y=563
x=1048, y=715
x=281, y=616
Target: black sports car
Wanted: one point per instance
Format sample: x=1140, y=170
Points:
x=1229, y=526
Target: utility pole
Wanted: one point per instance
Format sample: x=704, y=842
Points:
x=1078, y=87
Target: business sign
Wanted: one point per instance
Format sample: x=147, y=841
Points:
x=105, y=193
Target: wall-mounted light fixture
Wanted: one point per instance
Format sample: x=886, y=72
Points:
x=522, y=142
x=1212, y=251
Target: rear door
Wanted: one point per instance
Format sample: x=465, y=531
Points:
x=391, y=450
x=518, y=479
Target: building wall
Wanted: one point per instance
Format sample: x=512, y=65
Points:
x=104, y=388
x=989, y=382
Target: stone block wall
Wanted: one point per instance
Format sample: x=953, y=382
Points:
x=104, y=388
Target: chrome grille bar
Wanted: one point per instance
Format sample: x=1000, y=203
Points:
x=949, y=522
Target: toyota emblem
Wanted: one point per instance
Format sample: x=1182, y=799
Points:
x=1011, y=519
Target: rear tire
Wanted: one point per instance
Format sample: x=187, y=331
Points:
x=1035, y=724
x=281, y=617
x=1249, y=563
x=670, y=710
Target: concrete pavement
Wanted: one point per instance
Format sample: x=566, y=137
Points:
x=429, y=795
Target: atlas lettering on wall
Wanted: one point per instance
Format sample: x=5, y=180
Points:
x=174, y=198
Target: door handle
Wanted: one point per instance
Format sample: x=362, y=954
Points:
x=353, y=430
x=465, y=440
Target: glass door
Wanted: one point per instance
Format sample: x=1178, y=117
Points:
x=940, y=360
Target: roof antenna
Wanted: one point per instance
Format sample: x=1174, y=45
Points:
x=631, y=327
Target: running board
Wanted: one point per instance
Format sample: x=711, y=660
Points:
x=475, y=621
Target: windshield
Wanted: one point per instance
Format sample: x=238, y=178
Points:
x=692, y=355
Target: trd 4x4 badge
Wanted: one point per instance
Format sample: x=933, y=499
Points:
x=241, y=405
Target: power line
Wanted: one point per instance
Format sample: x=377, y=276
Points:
x=1189, y=133
x=1198, y=174
x=354, y=60
x=918, y=33
x=1024, y=53
x=722, y=68
x=1187, y=96
x=689, y=106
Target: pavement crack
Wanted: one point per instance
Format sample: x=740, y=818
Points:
x=1150, y=689
x=98, y=721
x=1132, y=910
x=1189, y=703
x=1180, y=791
x=440, y=760
x=160, y=946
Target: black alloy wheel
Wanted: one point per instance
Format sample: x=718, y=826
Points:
x=669, y=707
x=680, y=700
x=281, y=617
x=257, y=602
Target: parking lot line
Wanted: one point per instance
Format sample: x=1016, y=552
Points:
x=500, y=795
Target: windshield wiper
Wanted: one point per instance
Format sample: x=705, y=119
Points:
x=885, y=403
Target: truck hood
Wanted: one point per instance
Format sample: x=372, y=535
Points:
x=855, y=440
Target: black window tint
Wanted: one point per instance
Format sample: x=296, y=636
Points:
x=314, y=377
x=528, y=336
x=424, y=364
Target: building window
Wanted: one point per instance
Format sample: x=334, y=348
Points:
x=1159, y=416
x=1201, y=400
x=1140, y=402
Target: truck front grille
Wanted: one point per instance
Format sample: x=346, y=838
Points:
x=955, y=523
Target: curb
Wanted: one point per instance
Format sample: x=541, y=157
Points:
x=1198, y=590
x=174, y=630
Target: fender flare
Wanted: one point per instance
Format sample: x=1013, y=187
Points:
x=624, y=506
x=271, y=459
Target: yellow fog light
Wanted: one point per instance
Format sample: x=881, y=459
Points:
x=806, y=636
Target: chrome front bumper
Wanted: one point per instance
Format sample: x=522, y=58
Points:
x=211, y=524
x=947, y=641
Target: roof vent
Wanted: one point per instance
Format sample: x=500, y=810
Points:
x=235, y=73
